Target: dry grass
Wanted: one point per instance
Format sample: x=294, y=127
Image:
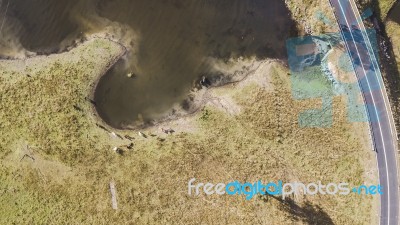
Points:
x=381, y=6
x=385, y=6
x=67, y=183
x=393, y=31
x=313, y=17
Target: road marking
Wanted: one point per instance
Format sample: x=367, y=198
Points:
x=333, y=10
x=373, y=100
x=386, y=100
x=375, y=66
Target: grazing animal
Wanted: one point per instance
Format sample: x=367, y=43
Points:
x=117, y=135
x=129, y=137
x=167, y=131
x=77, y=108
x=118, y=150
x=91, y=101
x=142, y=135
x=160, y=139
x=131, y=75
x=205, y=82
x=102, y=127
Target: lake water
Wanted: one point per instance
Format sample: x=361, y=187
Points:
x=171, y=43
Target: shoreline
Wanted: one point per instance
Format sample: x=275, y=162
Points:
x=201, y=98
x=93, y=84
x=199, y=95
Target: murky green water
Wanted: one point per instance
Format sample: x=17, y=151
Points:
x=171, y=43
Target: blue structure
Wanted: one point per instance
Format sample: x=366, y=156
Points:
x=311, y=77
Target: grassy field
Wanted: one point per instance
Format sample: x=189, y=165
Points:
x=316, y=17
x=385, y=6
x=57, y=163
x=313, y=17
x=393, y=31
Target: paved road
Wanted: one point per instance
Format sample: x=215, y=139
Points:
x=381, y=120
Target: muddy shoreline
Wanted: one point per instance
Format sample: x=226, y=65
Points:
x=109, y=65
x=200, y=97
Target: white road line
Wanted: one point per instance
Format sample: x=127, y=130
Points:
x=386, y=100
x=376, y=67
x=373, y=100
x=365, y=108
